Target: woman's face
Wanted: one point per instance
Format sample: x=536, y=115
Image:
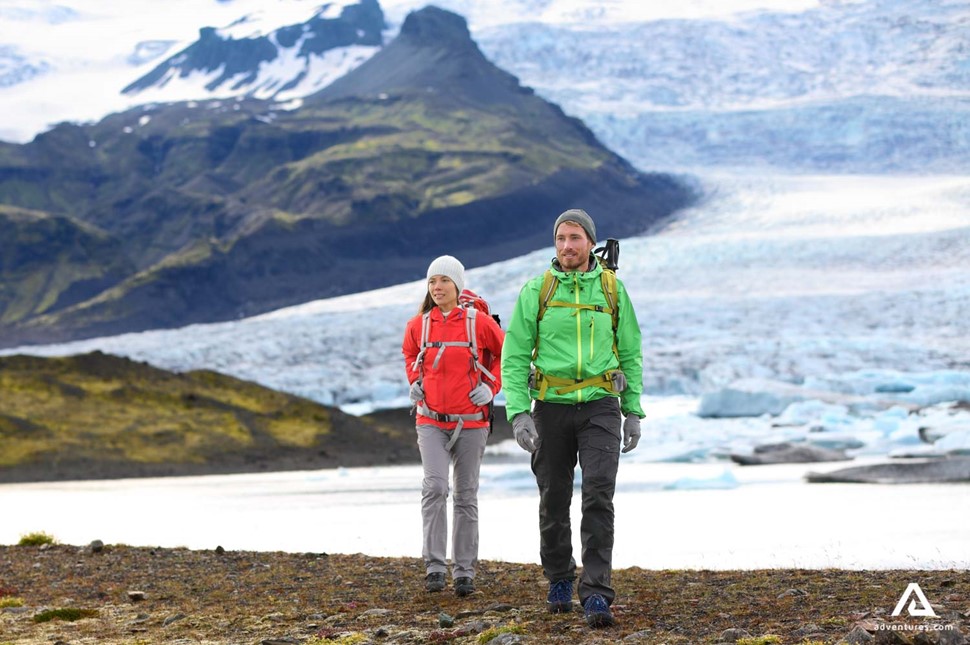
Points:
x=443, y=291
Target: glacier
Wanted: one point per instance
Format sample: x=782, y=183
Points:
x=855, y=287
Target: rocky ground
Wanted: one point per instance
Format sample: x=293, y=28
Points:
x=131, y=595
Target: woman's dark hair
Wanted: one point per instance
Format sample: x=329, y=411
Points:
x=426, y=305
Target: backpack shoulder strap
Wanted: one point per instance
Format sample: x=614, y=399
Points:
x=545, y=292
x=612, y=294
x=545, y=295
x=418, y=364
x=611, y=291
x=471, y=321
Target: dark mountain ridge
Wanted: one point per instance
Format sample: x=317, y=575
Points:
x=223, y=209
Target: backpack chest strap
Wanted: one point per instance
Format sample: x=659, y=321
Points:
x=580, y=306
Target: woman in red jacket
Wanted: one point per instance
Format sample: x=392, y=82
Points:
x=451, y=389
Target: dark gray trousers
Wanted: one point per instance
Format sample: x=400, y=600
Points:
x=591, y=432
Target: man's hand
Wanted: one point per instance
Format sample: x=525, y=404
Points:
x=631, y=432
x=481, y=394
x=416, y=393
x=524, y=429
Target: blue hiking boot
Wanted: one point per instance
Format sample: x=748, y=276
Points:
x=560, y=596
x=597, y=611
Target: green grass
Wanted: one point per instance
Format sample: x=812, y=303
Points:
x=37, y=538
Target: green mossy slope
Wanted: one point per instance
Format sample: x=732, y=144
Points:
x=97, y=415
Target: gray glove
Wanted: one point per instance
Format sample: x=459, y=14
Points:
x=524, y=429
x=631, y=432
x=619, y=381
x=481, y=394
x=416, y=393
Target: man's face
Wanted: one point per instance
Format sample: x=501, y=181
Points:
x=573, y=247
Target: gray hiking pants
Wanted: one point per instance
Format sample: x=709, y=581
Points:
x=591, y=432
x=466, y=454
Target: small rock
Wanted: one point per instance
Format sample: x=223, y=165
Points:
x=733, y=635
x=336, y=620
x=474, y=627
x=941, y=637
x=806, y=630
x=468, y=613
x=500, y=607
x=220, y=550
x=172, y=619
x=858, y=636
x=444, y=620
x=375, y=612
x=507, y=639
x=381, y=632
x=97, y=546
x=890, y=637
x=280, y=641
x=793, y=593
x=642, y=636
x=136, y=596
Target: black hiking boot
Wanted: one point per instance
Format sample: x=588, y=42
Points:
x=464, y=587
x=434, y=582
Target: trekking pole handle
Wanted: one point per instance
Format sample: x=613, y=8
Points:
x=610, y=253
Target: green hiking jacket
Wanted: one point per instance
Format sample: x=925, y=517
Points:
x=575, y=344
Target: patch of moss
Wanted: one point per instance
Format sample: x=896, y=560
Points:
x=769, y=639
x=65, y=613
x=36, y=538
x=493, y=632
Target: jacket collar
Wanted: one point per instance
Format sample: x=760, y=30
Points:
x=455, y=314
x=593, y=270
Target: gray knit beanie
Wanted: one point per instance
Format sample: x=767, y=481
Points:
x=579, y=216
x=451, y=267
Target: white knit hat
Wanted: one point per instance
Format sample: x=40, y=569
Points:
x=451, y=267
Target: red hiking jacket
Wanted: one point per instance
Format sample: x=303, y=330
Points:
x=446, y=388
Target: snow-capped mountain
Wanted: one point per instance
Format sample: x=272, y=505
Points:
x=806, y=85
x=289, y=62
x=72, y=60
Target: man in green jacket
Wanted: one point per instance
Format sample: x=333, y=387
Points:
x=584, y=376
